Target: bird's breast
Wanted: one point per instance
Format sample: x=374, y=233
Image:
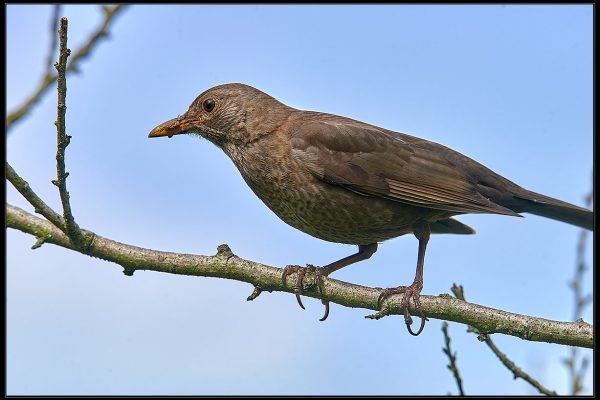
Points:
x=321, y=209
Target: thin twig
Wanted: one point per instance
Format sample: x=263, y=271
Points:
x=63, y=140
x=517, y=372
x=576, y=367
x=101, y=32
x=50, y=77
x=53, y=35
x=452, y=357
x=228, y=266
x=38, y=204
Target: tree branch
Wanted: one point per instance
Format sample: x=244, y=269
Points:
x=226, y=265
x=49, y=78
x=38, y=204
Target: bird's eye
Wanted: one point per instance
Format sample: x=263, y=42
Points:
x=208, y=105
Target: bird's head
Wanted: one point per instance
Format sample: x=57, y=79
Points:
x=225, y=115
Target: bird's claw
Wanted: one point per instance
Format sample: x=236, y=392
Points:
x=409, y=292
x=290, y=269
x=408, y=318
x=320, y=274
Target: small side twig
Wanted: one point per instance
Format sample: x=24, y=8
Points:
x=452, y=357
x=62, y=139
x=50, y=77
x=517, y=372
x=255, y=293
x=38, y=243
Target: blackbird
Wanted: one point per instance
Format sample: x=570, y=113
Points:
x=347, y=181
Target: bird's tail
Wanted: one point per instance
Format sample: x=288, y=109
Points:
x=538, y=204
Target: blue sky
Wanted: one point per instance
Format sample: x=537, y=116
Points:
x=510, y=86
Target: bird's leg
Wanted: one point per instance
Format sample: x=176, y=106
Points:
x=364, y=252
x=422, y=232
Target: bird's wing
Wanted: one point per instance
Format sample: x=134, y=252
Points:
x=376, y=162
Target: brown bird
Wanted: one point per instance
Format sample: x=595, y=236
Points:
x=346, y=181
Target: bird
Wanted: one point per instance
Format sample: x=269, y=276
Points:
x=346, y=181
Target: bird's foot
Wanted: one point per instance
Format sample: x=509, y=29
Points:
x=319, y=274
x=289, y=270
x=409, y=292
